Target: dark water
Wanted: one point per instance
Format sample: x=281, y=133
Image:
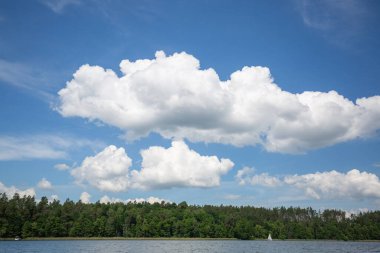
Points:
x=152, y=246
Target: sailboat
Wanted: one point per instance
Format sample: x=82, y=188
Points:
x=269, y=237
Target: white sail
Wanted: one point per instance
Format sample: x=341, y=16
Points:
x=269, y=237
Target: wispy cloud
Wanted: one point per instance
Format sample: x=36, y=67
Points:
x=117, y=10
x=113, y=11
x=40, y=146
x=336, y=20
x=16, y=74
x=377, y=165
x=58, y=6
x=25, y=77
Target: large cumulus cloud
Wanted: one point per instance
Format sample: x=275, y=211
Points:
x=173, y=96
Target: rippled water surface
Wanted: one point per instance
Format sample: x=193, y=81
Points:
x=151, y=246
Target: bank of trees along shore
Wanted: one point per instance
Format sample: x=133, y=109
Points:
x=26, y=217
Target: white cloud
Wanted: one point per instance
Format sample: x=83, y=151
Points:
x=85, y=197
x=53, y=197
x=377, y=165
x=59, y=5
x=10, y=191
x=45, y=184
x=107, y=171
x=62, y=166
x=176, y=166
x=320, y=185
x=247, y=176
x=172, y=96
x=179, y=166
x=40, y=146
x=330, y=185
x=105, y=199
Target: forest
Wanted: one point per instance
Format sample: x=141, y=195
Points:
x=26, y=217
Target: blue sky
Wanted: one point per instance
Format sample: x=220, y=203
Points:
x=265, y=103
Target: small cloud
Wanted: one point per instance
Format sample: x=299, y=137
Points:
x=179, y=166
x=377, y=165
x=242, y=176
x=247, y=176
x=107, y=171
x=62, y=166
x=85, y=197
x=53, y=197
x=44, y=184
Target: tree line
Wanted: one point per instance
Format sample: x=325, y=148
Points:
x=26, y=217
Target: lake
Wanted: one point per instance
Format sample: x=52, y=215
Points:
x=151, y=246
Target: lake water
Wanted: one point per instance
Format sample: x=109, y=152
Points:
x=152, y=246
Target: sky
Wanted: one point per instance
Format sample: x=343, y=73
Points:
x=261, y=103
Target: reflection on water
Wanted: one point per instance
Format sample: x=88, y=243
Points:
x=152, y=246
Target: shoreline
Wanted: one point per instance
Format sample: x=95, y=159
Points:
x=116, y=238
x=161, y=239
